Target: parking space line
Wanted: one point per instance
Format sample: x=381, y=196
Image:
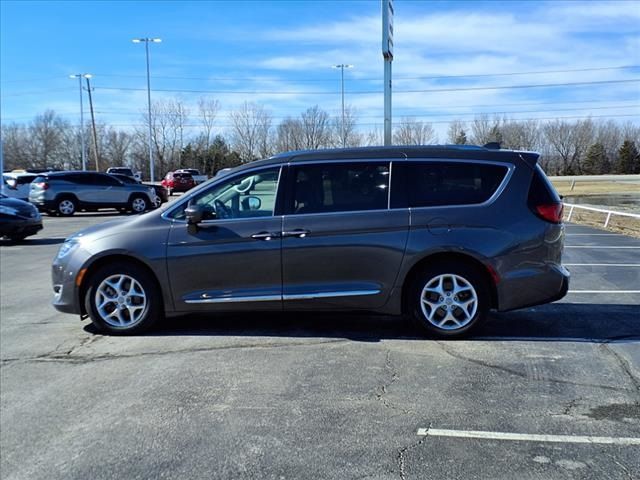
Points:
x=593, y=235
x=527, y=437
x=601, y=246
x=601, y=264
x=603, y=291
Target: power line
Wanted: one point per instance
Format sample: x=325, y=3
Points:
x=433, y=77
x=581, y=117
x=398, y=113
x=369, y=92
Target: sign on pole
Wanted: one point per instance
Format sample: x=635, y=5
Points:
x=387, y=53
x=387, y=29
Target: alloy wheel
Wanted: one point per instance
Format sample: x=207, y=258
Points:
x=449, y=301
x=121, y=301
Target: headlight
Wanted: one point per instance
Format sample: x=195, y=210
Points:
x=8, y=210
x=66, y=248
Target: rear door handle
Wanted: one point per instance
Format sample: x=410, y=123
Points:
x=266, y=236
x=298, y=232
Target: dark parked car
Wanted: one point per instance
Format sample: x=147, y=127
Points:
x=18, y=219
x=64, y=193
x=161, y=195
x=442, y=234
x=178, y=182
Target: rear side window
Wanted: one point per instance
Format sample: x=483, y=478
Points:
x=541, y=192
x=339, y=187
x=452, y=183
x=25, y=179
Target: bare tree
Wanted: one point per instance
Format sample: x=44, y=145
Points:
x=457, y=133
x=289, y=135
x=352, y=138
x=116, y=147
x=485, y=130
x=47, y=137
x=569, y=141
x=250, y=131
x=15, y=143
x=521, y=135
x=316, y=129
x=413, y=132
x=208, y=109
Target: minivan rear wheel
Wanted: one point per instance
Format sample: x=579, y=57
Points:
x=449, y=299
x=123, y=299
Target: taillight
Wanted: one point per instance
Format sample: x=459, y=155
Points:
x=550, y=212
x=42, y=185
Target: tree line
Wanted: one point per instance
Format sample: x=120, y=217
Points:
x=184, y=138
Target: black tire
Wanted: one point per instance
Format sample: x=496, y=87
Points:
x=449, y=329
x=18, y=238
x=152, y=312
x=66, y=206
x=137, y=200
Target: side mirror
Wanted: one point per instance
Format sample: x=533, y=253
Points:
x=251, y=203
x=194, y=214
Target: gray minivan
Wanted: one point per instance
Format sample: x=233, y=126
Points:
x=442, y=234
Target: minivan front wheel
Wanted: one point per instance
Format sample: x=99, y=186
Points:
x=449, y=300
x=123, y=299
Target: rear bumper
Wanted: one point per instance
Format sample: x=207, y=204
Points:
x=532, y=286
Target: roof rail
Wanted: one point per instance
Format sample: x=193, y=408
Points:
x=492, y=145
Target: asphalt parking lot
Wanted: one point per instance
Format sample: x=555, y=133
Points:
x=550, y=392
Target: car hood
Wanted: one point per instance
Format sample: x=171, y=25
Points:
x=14, y=203
x=113, y=227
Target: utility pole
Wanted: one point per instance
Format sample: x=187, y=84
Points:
x=342, y=66
x=387, y=53
x=80, y=76
x=146, y=42
x=93, y=124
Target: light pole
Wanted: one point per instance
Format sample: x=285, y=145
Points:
x=146, y=42
x=80, y=76
x=342, y=66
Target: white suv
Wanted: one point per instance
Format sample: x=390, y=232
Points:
x=17, y=184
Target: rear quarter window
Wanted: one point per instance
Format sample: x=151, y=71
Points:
x=452, y=183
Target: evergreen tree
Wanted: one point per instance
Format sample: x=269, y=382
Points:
x=596, y=161
x=461, y=138
x=629, y=158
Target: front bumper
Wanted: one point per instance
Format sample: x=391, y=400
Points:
x=20, y=226
x=64, y=275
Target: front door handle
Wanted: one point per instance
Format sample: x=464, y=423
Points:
x=264, y=236
x=298, y=232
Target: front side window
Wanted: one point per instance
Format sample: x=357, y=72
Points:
x=246, y=196
x=452, y=183
x=339, y=187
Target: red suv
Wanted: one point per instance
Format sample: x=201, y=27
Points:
x=178, y=182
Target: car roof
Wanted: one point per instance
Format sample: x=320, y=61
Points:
x=20, y=174
x=400, y=152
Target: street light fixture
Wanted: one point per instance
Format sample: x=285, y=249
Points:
x=146, y=42
x=80, y=76
x=342, y=66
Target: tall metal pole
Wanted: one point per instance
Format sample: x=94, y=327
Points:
x=387, y=101
x=151, y=163
x=93, y=125
x=387, y=53
x=342, y=78
x=82, y=147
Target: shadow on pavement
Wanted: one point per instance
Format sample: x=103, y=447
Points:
x=30, y=241
x=556, y=322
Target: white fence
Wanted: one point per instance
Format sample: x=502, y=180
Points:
x=609, y=213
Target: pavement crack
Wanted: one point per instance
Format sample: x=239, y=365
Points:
x=624, y=365
x=520, y=374
x=381, y=396
x=402, y=452
x=81, y=359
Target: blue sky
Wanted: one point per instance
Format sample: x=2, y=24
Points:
x=279, y=53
